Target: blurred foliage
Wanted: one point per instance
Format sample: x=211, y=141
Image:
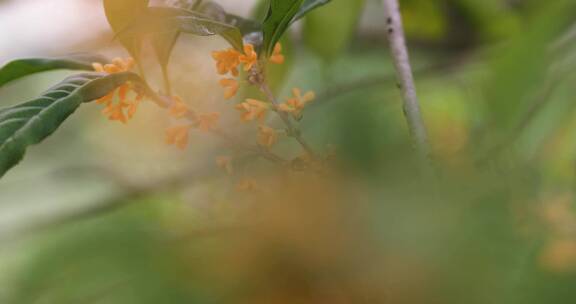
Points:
x=329, y=30
x=495, y=224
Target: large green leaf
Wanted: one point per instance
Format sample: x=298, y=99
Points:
x=308, y=6
x=279, y=17
x=31, y=122
x=20, y=68
x=122, y=13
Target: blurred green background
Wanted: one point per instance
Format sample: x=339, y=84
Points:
x=106, y=213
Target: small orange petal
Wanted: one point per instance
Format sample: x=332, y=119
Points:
x=98, y=67
x=231, y=86
x=106, y=100
x=111, y=69
x=267, y=136
x=123, y=92
x=178, y=136
x=277, y=56
x=225, y=162
x=277, y=59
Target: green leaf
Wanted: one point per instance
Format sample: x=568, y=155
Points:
x=206, y=27
x=31, y=122
x=162, y=20
x=216, y=12
x=279, y=17
x=122, y=13
x=20, y=68
x=246, y=26
x=308, y=6
x=163, y=44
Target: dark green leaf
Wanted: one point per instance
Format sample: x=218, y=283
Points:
x=279, y=17
x=308, y=6
x=23, y=67
x=31, y=122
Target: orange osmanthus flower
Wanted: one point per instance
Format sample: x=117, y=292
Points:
x=296, y=104
x=106, y=100
x=267, y=137
x=225, y=162
x=118, y=65
x=178, y=136
x=207, y=122
x=252, y=109
x=134, y=104
x=231, y=86
x=249, y=58
x=179, y=109
x=247, y=185
x=227, y=61
x=124, y=64
x=277, y=56
x=125, y=108
x=115, y=112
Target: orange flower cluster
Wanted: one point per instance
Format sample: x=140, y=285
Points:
x=178, y=135
x=252, y=109
x=296, y=104
x=128, y=99
x=228, y=62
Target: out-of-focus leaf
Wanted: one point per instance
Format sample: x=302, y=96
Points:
x=162, y=20
x=519, y=70
x=308, y=6
x=31, y=122
x=118, y=258
x=279, y=17
x=122, y=13
x=329, y=30
x=20, y=68
x=492, y=17
x=424, y=19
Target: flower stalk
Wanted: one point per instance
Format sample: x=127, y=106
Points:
x=292, y=130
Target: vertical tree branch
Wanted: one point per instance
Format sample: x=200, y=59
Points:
x=399, y=51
